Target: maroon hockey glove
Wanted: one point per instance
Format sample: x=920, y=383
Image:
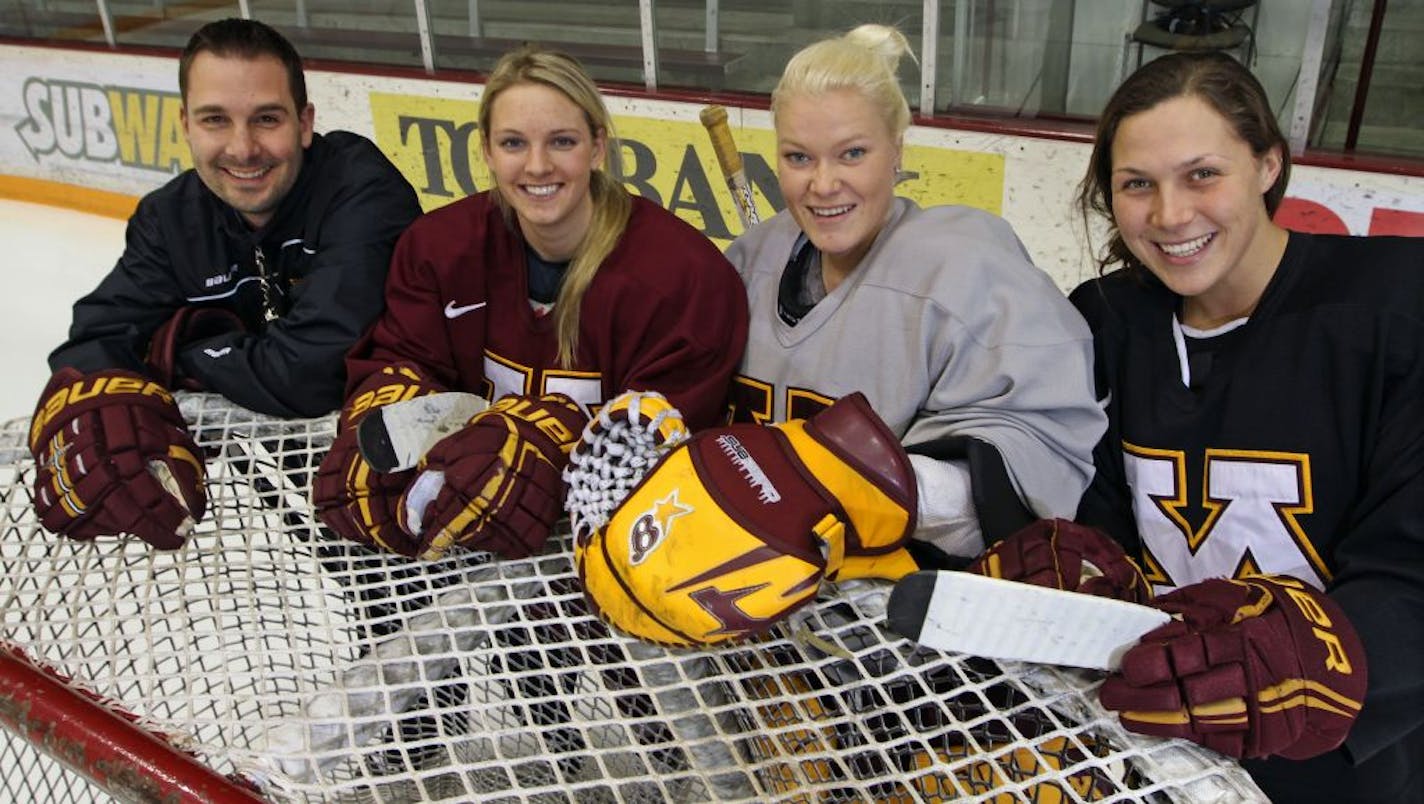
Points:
x=188, y=325
x=1061, y=554
x=113, y=455
x=355, y=501
x=497, y=484
x=1258, y=667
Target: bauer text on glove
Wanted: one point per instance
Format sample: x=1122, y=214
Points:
x=350, y=497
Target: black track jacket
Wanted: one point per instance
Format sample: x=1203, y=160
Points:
x=325, y=254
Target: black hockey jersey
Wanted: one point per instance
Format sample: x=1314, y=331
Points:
x=1297, y=448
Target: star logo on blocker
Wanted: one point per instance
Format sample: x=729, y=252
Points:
x=653, y=527
x=668, y=509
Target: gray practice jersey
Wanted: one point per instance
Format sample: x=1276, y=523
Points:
x=949, y=329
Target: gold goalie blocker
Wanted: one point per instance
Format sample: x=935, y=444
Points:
x=736, y=528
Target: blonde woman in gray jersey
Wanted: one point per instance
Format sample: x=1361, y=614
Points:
x=970, y=354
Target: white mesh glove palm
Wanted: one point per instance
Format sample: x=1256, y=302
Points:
x=628, y=437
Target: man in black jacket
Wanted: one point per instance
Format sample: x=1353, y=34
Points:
x=249, y=275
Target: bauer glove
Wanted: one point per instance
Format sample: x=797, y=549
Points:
x=1257, y=667
x=736, y=528
x=496, y=484
x=355, y=501
x=1061, y=554
x=113, y=455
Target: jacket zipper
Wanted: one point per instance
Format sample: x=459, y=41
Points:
x=269, y=304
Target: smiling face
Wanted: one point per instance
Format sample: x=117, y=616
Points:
x=836, y=162
x=541, y=153
x=1187, y=200
x=245, y=131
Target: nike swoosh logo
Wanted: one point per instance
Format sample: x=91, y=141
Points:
x=451, y=311
x=215, y=353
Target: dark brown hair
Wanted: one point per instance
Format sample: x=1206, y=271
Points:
x=244, y=39
x=1217, y=79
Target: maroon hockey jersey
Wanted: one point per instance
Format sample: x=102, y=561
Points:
x=666, y=312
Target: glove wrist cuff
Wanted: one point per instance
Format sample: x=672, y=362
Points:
x=390, y=384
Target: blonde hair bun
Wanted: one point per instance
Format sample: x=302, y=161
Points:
x=885, y=41
x=864, y=60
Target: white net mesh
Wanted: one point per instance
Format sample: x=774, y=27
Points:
x=320, y=671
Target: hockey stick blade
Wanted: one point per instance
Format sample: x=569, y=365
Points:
x=394, y=437
x=966, y=613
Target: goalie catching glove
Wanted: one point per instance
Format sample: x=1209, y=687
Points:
x=736, y=528
x=496, y=484
x=354, y=500
x=113, y=455
x=1258, y=667
x=628, y=437
x=1061, y=554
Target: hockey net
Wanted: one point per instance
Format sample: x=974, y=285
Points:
x=303, y=668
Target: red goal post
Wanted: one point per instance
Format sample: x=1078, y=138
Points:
x=267, y=660
x=99, y=743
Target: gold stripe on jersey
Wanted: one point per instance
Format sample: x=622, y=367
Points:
x=1152, y=569
x=1171, y=508
x=1247, y=566
x=524, y=372
x=803, y=403
x=753, y=401
x=565, y=374
x=502, y=373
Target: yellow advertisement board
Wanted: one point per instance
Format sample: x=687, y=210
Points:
x=436, y=144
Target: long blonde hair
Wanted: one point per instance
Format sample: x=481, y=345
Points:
x=611, y=202
x=864, y=59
